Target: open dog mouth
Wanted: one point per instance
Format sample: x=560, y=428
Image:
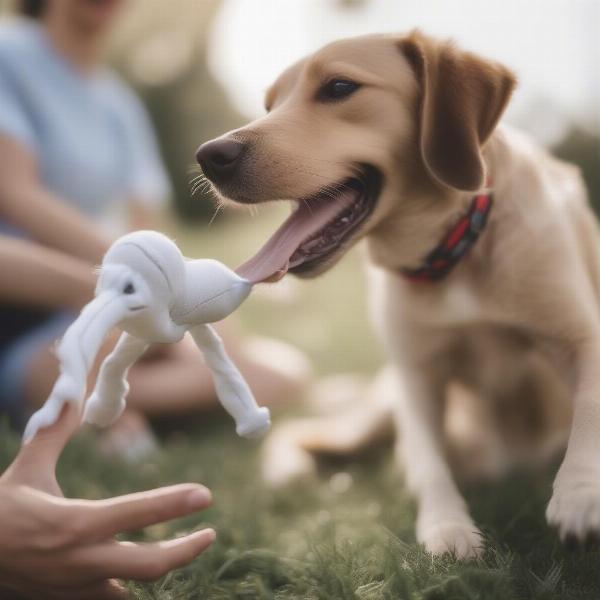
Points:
x=316, y=229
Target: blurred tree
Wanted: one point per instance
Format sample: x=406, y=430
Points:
x=583, y=148
x=160, y=48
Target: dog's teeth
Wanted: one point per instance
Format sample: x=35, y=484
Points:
x=310, y=244
x=330, y=236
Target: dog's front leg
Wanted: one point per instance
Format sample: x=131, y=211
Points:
x=575, y=504
x=443, y=521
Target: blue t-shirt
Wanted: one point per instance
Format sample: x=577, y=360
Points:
x=91, y=136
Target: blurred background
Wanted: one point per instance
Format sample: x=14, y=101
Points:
x=202, y=66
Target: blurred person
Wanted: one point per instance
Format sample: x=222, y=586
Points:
x=74, y=142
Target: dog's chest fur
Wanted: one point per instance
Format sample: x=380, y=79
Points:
x=452, y=304
x=438, y=323
x=457, y=304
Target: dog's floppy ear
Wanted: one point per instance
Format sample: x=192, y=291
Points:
x=462, y=99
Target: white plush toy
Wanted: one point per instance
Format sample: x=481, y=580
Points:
x=150, y=291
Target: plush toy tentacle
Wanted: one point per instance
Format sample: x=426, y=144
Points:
x=107, y=402
x=66, y=389
x=77, y=351
x=233, y=391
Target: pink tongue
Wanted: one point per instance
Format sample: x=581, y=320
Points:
x=272, y=261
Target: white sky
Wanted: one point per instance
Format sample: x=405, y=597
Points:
x=553, y=45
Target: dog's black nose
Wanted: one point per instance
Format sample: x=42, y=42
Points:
x=219, y=158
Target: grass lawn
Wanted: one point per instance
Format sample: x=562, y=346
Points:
x=349, y=535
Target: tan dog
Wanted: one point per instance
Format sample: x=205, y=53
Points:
x=389, y=139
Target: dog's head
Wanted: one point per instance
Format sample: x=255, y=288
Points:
x=353, y=133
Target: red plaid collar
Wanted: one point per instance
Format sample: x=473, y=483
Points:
x=456, y=244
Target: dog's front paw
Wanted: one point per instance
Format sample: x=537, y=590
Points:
x=574, y=509
x=284, y=460
x=460, y=538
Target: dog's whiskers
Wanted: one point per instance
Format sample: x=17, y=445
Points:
x=217, y=210
x=201, y=183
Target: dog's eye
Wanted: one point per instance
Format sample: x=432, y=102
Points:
x=337, y=89
x=129, y=288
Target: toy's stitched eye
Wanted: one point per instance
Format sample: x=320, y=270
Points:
x=337, y=89
x=129, y=289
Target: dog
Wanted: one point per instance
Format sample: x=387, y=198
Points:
x=484, y=269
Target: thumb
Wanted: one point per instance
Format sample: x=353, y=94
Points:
x=37, y=459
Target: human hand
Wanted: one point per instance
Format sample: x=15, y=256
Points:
x=57, y=548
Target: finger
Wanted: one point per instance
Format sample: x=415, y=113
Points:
x=106, y=518
x=49, y=442
x=144, y=562
x=35, y=463
x=44, y=417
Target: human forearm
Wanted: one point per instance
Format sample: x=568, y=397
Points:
x=38, y=276
x=54, y=224
x=26, y=204
x=141, y=216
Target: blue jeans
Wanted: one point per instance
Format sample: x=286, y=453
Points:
x=15, y=363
